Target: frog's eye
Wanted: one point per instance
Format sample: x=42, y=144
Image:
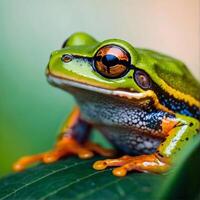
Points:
x=112, y=61
x=142, y=79
x=66, y=58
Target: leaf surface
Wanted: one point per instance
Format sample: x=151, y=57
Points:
x=73, y=178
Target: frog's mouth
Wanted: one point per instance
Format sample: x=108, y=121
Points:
x=64, y=83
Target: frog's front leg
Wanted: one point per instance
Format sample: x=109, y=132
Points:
x=73, y=140
x=177, y=132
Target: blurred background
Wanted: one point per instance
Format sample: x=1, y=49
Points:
x=31, y=111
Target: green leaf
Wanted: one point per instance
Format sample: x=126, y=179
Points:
x=73, y=178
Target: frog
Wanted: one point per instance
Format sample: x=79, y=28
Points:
x=145, y=103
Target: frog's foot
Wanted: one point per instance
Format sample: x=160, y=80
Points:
x=66, y=146
x=144, y=163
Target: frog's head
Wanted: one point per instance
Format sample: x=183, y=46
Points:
x=107, y=66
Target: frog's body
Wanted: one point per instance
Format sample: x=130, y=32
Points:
x=144, y=102
x=127, y=126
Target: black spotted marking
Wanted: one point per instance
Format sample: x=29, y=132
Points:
x=191, y=124
x=159, y=154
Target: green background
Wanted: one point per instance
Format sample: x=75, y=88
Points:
x=31, y=111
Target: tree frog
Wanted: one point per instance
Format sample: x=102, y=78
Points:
x=145, y=103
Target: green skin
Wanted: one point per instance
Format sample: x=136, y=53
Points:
x=163, y=70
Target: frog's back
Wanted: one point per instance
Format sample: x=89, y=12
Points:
x=174, y=72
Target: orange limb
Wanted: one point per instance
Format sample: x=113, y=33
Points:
x=26, y=160
x=63, y=147
x=71, y=121
x=66, y=146
x=144, y=163
x=167, y=125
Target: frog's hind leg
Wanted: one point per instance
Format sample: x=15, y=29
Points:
x=177, y=131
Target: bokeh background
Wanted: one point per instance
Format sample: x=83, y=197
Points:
x=31, y=111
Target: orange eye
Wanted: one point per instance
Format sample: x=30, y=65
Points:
x=142, y=79
x=112, y=61
x=66, y=58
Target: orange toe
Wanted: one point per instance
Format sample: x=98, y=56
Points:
x=144, y=163
x=119, y=171
x=23, y=162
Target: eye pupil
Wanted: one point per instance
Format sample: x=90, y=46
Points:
x=110, y=60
